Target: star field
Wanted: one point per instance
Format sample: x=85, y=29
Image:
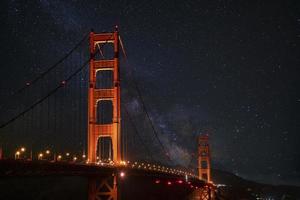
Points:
x=226, y=66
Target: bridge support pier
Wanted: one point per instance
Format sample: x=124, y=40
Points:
x=102, y=188
x=204, y=193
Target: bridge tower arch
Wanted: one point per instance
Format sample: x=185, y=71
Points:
x=97, y=130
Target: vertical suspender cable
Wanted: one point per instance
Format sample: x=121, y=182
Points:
x=166, y=153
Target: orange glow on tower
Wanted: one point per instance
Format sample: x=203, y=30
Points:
x=95, y=95
x=204, y=158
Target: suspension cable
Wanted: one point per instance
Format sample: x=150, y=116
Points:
x=36, y=79
x=137, y=132
x=143, y=104
x=52, y=92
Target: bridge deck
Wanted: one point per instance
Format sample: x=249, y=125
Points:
x=13, y=168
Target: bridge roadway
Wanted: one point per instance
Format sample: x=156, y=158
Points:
x=141, y=181
x=11, y=167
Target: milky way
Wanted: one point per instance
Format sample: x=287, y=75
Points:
x=224, y=66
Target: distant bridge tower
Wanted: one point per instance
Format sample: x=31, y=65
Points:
x=206, y=192
x=204, y=158
x=98, y=97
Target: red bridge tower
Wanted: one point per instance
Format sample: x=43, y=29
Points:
x=97, y=130
x=204, y=158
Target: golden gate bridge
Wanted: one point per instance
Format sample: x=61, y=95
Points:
x=91, y=76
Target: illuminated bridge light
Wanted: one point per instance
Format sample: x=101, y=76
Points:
x=59, y=157
x=186, y=178
x=122, y=174
x=17, y=155
x=180, y=181
x=121, y=162
x=157, y=181
x=169, y=183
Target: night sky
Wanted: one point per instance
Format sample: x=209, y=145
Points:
x=229, y=68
